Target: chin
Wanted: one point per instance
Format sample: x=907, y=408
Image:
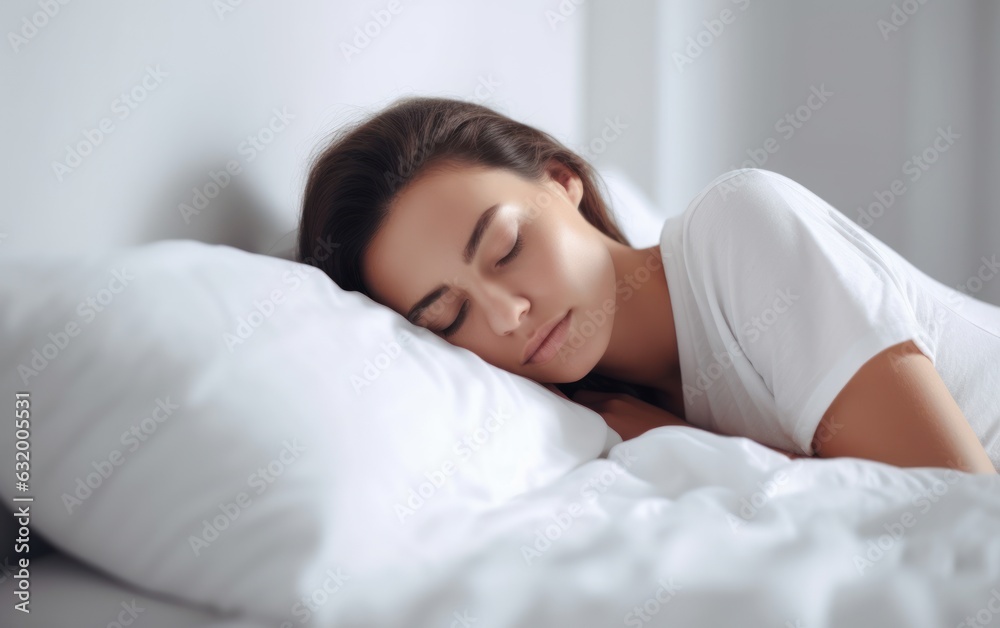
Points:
x=573, y=364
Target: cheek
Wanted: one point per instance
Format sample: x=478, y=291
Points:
x=580, y=263
x=487, y=347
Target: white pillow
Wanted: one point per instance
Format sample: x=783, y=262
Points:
x=231, y=428
x=638, y=217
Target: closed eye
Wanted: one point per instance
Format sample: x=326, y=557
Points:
x=518, y=244
x=507, y=259
x=451, y=329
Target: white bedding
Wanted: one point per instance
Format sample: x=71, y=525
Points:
x=684, y=527
x=672, y=525
x=666, y=533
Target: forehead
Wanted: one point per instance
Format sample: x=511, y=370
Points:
x=420, y=245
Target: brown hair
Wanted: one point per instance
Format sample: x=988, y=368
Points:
x=355, y=178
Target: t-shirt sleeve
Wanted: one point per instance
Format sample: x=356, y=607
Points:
x=802, y=289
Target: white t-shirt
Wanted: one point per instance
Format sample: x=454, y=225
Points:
x=778, y=299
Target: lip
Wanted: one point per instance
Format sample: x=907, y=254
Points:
x=540, y=336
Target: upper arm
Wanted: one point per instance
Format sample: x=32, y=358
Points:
x=897, y=410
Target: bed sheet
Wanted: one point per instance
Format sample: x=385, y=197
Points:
x=676, y=527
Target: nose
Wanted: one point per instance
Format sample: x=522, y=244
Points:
x=504, y=308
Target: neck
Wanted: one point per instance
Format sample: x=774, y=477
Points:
x=643, y=346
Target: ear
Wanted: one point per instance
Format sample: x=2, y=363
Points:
x=569, y=181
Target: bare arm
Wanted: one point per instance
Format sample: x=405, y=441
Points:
x=896, y=409
x=625, y=414
x=631, y=417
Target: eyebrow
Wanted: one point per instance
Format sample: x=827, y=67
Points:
x=471, y=247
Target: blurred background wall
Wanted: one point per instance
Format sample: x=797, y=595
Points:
x=121, y=119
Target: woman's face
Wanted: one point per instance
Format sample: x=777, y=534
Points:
x=507, y=259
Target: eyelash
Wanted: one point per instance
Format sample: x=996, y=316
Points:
x=513, y=252
x=451, y=329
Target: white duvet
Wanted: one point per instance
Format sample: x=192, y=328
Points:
x=678, y=527
x=681, y=527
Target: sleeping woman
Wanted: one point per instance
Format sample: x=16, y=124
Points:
x=763, y=312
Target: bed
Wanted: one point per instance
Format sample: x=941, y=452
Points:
x=261, y=449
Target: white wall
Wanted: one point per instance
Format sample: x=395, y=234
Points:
x=890, y=94
x=621, y=107
x=600, y=66
x=224, y=74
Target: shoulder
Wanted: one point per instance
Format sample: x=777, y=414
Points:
x=748, y=209
x=752, y=194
